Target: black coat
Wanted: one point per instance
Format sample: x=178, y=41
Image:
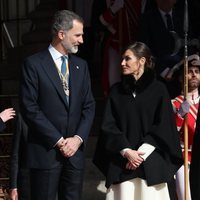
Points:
x=129, y=122
x=195, y=163
x=2, y=125
x=19, y=172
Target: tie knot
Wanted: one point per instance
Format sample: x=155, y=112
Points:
x=63, y=58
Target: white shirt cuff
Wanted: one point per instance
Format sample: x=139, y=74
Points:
x=147, y=149
x=79, y=138
x=58, y=141
x=123, y=151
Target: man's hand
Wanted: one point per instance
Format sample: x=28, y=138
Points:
x=61, y=143
x=70, y=146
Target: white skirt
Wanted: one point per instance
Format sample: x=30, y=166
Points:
x=137, y=189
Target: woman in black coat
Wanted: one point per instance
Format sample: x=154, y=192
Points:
x=139, y=148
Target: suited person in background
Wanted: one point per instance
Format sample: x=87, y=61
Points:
x=158, y=29
x=57, y=104
x=155, y=30
x=19, y=172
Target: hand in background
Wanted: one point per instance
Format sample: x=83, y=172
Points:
x=13, y=195
x=184, y=108
x=7, y=114
x=117, y=5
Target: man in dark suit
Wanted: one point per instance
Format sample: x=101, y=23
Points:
x=161, y=28
x=58, y=106
x=157, y=29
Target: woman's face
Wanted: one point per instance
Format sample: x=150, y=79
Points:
x=131, y=65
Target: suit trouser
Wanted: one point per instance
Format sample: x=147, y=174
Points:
x=65, y=182
x=23, y=184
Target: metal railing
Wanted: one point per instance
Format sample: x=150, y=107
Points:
x=13, y=11
x=6, y=142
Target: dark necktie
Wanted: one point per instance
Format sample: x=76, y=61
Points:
x=63, y=66
x=169, y=22
x=65, y=78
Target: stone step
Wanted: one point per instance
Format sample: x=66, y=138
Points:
x=18, y=54
x=91, y=145
x=94, y=182
x=37, y=36
x=42, y=14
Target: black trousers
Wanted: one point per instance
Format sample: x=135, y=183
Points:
x=64, y=182
x=23, y=184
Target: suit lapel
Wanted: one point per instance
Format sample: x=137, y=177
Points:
x=159, y=18
x=74, y=73
x=51, y=71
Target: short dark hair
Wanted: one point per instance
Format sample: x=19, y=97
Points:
x=63, y=20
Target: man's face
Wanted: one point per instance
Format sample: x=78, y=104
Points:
x=73, y=37
x=193, y=77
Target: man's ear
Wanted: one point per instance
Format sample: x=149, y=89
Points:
x=61, y=35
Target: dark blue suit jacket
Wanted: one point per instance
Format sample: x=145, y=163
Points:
x=45, y=109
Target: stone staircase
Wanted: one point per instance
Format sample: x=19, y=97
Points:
x=93, y=186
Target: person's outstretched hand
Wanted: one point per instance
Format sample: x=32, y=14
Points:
x=7, y=114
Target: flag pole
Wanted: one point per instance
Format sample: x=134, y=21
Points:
x=186, y=176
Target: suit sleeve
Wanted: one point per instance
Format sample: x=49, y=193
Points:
x=88, y=108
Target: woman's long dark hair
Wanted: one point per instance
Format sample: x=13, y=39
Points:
x=142, y=50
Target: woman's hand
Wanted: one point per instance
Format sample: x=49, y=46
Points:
x=13, y=194
x=134, y=159
x=7, y=114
